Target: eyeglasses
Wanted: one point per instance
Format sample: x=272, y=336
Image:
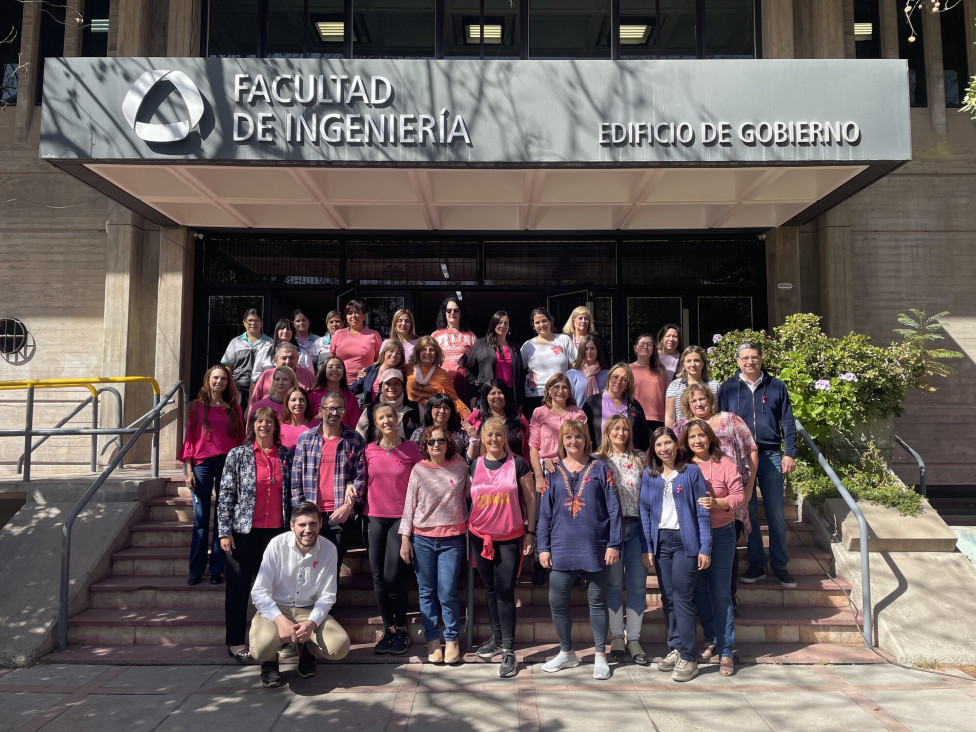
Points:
x=334, y=410
x=750, y=359
x=645, y=346
x=452, y=310
x=436, y=441
x=254, y=322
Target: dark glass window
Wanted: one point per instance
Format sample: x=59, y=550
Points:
x=325, y=28
x=730, y=29
x=51, y=42
x=393, y=29
x=468, y=21
x=911, y=46
x=10, y=19
x=233, y=29
x=867, y=29
x=286, y=29
x=954, y=62
x=94, y=39
x=575, y=29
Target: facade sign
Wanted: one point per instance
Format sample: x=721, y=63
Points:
x=491, y=113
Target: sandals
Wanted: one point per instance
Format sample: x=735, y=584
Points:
x=726, y=667
x=707, y=654
x=242, y=656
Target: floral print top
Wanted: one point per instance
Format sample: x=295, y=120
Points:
x=627, y=471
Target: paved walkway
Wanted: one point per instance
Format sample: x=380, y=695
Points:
x=471, y=696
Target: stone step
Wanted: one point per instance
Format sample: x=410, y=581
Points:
x=534, y=624
x=151, y=561
x=171, y=508
x=162, y=533
x=143, y=592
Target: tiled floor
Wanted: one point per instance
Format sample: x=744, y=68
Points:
x=471, y=696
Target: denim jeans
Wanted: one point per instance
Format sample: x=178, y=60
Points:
x=437, y=562
x=677, y=574
x=207, y=475
x=630, y=570
x=560, y=587
x=713, y=595
x=769, y=480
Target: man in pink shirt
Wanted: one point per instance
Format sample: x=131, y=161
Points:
x=287, y=355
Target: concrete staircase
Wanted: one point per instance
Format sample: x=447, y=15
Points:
x=144, y=612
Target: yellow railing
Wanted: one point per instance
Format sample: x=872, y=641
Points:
x=29, y=432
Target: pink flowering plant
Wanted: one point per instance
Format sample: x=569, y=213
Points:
x=834, y=383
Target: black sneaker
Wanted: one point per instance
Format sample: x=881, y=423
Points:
x=508, y=666
x=489, y=649
x=386, y=642
x=784, y=578
x=270, y=678
x=306, y=662
x=401, y=642
x=753, y=575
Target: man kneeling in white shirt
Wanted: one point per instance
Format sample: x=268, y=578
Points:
x=294, y=591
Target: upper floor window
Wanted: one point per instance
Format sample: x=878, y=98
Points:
x=485, y=29
x=955, y=66
x=94, y=40
x=867, y=29
x=10, y=19
x=911, y=46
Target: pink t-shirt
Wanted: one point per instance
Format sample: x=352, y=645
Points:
x=388, y=472
x=723, y=481
x=454, y=343
x=261, y=387
x=266, y=402
x=327, y=474
x=267, y=489
x=356, y=351
x=544, y=429
x=649, y=390
x=200, y=444
x=503, y=366
x=291, y=432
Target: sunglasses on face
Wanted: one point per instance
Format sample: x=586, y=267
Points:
x=436, y=441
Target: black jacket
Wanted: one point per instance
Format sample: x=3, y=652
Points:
x=593, y=409
x=481, y=369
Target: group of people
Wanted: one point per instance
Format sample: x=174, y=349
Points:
x=448, y=444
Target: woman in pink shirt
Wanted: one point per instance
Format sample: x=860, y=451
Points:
x=403, y=331
x=283, y=379
x=558, y=405
x=501, y=534
x=255, y=501
x=432, y=536
x=455, y=339
x=296, y=417
x=332, y=377
x=389, y=461
x=356, y=344
x=214, y=427
x=650, y=381
x=713, y=593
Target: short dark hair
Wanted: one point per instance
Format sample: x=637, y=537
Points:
x=305, y=508
x=450, y=452
x=654, y=465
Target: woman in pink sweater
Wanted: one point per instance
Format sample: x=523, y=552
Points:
x=432, y=535
x=214, y=426
x=713, y=595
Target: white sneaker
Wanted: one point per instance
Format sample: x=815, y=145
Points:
x=562, y=660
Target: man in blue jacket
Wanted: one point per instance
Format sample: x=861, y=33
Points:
x=764, y=404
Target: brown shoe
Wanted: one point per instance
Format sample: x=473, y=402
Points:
x=435, y=653
x=452, y=651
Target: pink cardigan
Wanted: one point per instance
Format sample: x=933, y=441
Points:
x=723, y=481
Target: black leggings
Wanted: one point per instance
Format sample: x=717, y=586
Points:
x=242, y=569
x=383, y=540
x=499, y=575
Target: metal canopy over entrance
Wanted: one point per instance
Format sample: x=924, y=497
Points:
x=422, y=145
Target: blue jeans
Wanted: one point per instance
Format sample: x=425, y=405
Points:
x=629, y=569
x=769, y=480
x=207, y=475
x=560, y=587
x=713, y=592
x=437, y=562
x=677, y=574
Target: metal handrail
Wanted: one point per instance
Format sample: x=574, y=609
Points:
x=95, y=452
x=28, y=433
x=921, y=465
x=151, y=417
x=862, y=525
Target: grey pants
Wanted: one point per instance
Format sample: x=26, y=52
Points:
x=560, y=585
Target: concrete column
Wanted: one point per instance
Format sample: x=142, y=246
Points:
x=777, y=29
x=132, y=38
x=183, y=28
x=782, y=266
x=935, y=81
x=73, y=30
x=836, y=270
x=819, y=29
x=173, y=325
x=30, y=33
x=888, y=12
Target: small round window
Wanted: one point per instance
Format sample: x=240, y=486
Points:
x=13, y=336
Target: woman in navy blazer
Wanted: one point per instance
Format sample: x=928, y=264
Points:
x=677, y=533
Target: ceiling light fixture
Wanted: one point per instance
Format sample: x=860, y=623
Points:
x=493, y=34
x=863, y=31
x=634, y=34
x=330, y=31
